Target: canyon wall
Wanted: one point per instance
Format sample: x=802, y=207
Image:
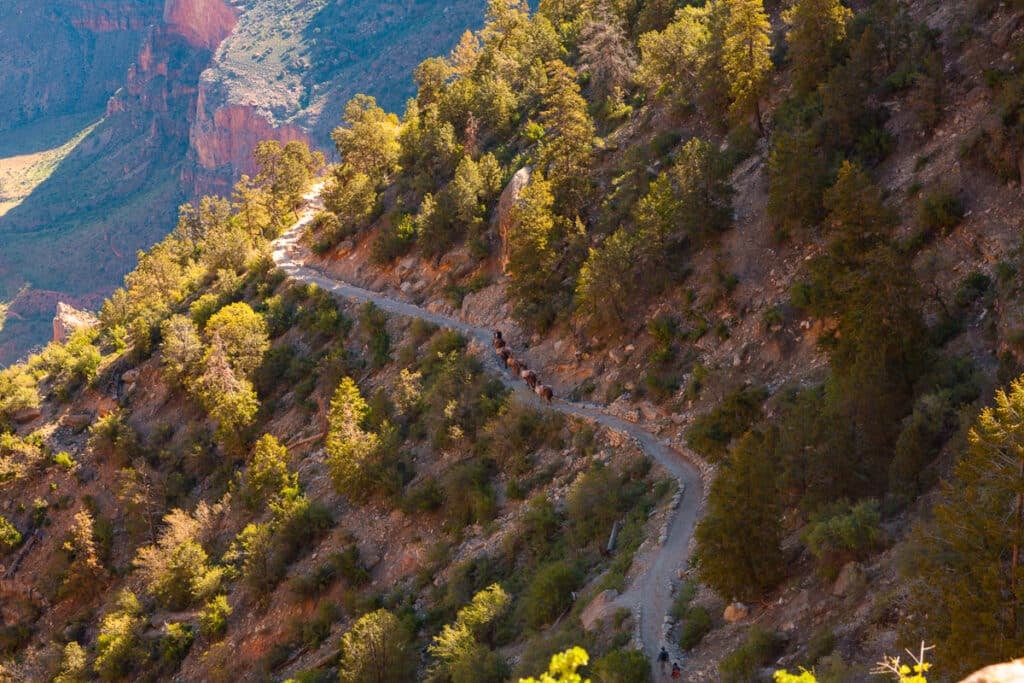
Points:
x=178, y=92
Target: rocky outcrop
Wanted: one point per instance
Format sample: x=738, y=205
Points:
x=1012, y=672
x=69, y=320
x=222, y=137
x=67, y=56
x=737, y=611
x=503, y=215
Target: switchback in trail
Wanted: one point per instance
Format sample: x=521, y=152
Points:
x=658, y=563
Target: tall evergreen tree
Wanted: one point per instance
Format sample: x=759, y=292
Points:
x=565, y=154
x=739, y=539
x=816, y=28
x=968, y=581
x=532, y=256
x=747, y=58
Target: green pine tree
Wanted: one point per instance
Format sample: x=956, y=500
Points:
x=968, y=578
x=739, y=539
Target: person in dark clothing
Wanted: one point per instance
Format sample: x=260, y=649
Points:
x=663, y=659
x=676, y=671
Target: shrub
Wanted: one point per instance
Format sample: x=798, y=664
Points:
x=396, y=238
x=696, y=625
x=842, y=532
x=10, y=538
x=549, y=593
x=317, y=628
x=742, y=664
x=174, y=645
x=213, y=619
x=64, y=459
x=595, y=502
x=622, y=666
x=711, y=434
x=469, y=496
x=940, y=211
x=118, y=648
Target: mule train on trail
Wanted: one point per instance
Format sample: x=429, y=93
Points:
x=519, y=368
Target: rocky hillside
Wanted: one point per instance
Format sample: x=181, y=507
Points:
x=165, y=102
x=774, y=246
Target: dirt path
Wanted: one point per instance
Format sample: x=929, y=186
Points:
x=655, y=567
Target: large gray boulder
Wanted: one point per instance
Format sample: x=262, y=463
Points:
x=503, y=215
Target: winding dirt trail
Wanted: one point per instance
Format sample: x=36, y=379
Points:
x=656, y=565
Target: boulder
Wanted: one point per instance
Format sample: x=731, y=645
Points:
x=503, y=215
x=1011, y=672
x=26, y=415
x=737, y=611
x=69, y=320
x=600, y=607
x=131, y=376
x=851, y=577
x=78, y=420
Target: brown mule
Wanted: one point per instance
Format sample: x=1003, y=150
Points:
x=530, y=377
x=544, y=391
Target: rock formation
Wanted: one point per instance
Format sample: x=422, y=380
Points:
x=503, y=216
x=69, y=320
x=1012, y=672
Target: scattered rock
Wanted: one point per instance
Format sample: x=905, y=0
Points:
x=737, y=611
x=78, y=420
x=26, y=415
x=851, y=577
x=598, y=608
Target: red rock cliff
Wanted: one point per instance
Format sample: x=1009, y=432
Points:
x=222, y=139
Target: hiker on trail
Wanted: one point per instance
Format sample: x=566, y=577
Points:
x=676, y=671
x=663, y=658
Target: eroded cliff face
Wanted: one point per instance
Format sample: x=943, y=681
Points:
x=66, y=56
x=222, y=137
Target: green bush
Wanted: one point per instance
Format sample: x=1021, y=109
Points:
x=621, y=666
x=10, y=538
x=397, y=236
x=940, y=211
x=317, y=628
x=374, y=323
x=549, y=594
x=696, y=625
x=213, y=619
x=174, y=646
x=742, y=665
x=595, y=502
x=711, y=434
x=842, y=532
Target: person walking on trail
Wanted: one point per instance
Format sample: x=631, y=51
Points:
x=676, y=671
x=663, y=658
